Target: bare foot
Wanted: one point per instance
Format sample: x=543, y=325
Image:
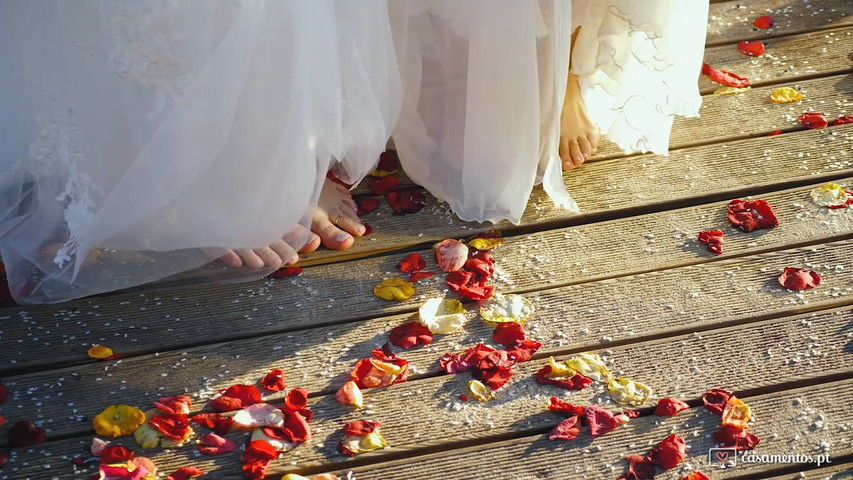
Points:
x=274, y=255
x=578, y=136
x=335, y=220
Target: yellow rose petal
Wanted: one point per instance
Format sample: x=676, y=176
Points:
x=786, y=95
x=394, y=289
x=480, y=391
x=830, y=195
x=628, y=392
x=590, y=365
x=389, y=368
x=485, y=243
x=364, y=443
x=293, y=476
x=442, y=316
x=506, y=308
x=100, y=352
x=736, y=413
x=559, y=370
x=118, y=420
x=731, y=90
x=147, y=436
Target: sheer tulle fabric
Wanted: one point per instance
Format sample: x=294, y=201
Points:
x=484, y=81
x=147, y=131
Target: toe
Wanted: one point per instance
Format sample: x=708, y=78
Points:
x=251, y=259
x=330, y=235
x=284, y=252
x=231, y=259
x=313, y=243
x=586, y=148
x=575, y=153
x=270, y=257
x=302, y=236
x=349, y=223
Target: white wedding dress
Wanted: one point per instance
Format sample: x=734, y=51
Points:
x=136, y=135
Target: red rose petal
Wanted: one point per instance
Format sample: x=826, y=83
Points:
x=411, y=201
x=387, y=162
x=410, y=334
x=360, y=427
x=458, y=279
x=366, y=205
x=734, y=437
x=286, y=272
x=175, y=427
x=296, y=426
x=478, y=293
x=481, y=267
x=214, y=421
x=115, y=454
x=274, y=381
x=235, y=397
x=256, y=470
x=177, y=405
x=413, y=262
x=668, y=407
x=813, y=120
x=714, y=240
x=568, y=429
x=842, y=120
x=578, y=382
x=366, y=375
x=306, y=414
x=367, y=230
x=763, y=22
x=4, y=457
x=777, y=132
x=751, y=215
x=184, y=473
x=381, y=186
x=694, y=476
x=524, y=350
x=259, y=450
x=2, y=421
x=495, y=377
x=799, y=279
x=3, y=393
x=296, y=399
x=715, y=400
x=752, y=49
x=669, y=452
x=213, y=444
x=331, y=176
x=24, y=434
x=846, y=204
x=599, y=420
x=559, y=406
x=508, y=334
x=723, y=77
x=639, y=468
x=420, y=276
x=463, y=397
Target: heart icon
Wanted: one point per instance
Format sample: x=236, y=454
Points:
x=722, y=456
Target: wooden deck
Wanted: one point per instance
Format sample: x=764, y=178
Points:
x=626, y=279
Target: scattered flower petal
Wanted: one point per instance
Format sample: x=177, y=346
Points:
x=387, y=165
x=559, y=406
x=410, y=201
x=350, y=394
x=715, y=400
x=751, y=215
x=177, y=405
x=601, y=421
x=763, y=22
x=481, y=243
x=410, y=334
x=277, y=437
x=184, y=473
x=417, y=276
x=509, y=334
x=115, y=454
x=99, y=352
x=813, y=120
x=214, y=421
x=274, y=381
x=257, y=456
x=451, y=255
x=98, y=446
x=380, y=370
x=590, y=365
x=568, y=429
x=365, y=205
x=3, y=393
x=213, y=444
x=442, y=316
x=394, y=289
x=723, y=77
x=732, y=90
x=751, y=48
x=668, y=407
x=383, y=185
x=147, y=436
x=832, y=195
x=669, y=452
x=799, y=279
x=694, y=476
x=773, y=134
x=506, y=308
x=639, y=468
x=479, y=391
x=413, y=262
x=786, y=95
x=353, y=445
x=121, y=472
x=574, y=382
x=736, y=413
x=118, y=420
x=4, y=457
x=714, y=240
x=258, y=415
x=235, y=397
x=286, y=272
x=734, y=437
x=296, y=399
x=842, y=120
x=628, y=392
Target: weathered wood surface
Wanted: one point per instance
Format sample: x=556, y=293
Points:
x=569, y=319
x=843, y=471
x=731, y=22
x=136, y=323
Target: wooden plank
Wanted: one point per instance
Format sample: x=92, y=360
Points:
x=422, y=416
x=731, y=22
x=840, y=470
x=159, y=321
x=787, y=59
x=657, y=304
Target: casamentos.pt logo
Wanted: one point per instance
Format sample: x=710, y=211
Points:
x=729, y=457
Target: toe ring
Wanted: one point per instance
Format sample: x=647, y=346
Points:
x=337, y=219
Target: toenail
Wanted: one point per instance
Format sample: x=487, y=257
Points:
x=360, y=229
x=293, y=259
x=342, y=237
